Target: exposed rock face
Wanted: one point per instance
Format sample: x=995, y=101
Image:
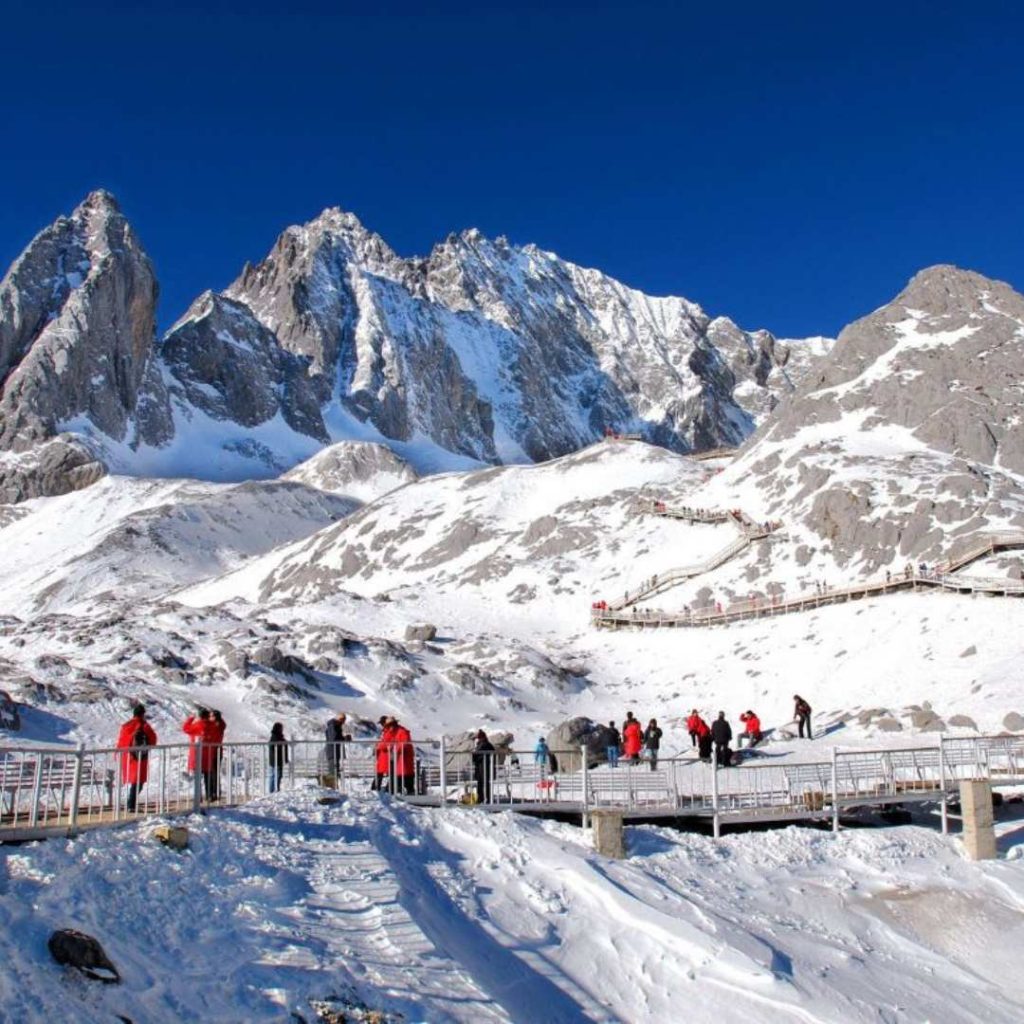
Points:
x=56, y=466
x=500, y=352
x=951, y=340
x=76, y=339
x=356, y=469
x=904, y=441
x=228, y=365
x=485, y=350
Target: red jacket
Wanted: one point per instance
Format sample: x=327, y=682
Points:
x=753, y=723
x=405, y=752
x=219, y=728
x=632, y=738
x=134, y=765
x=204, y=729
x=693, y=723
x=702, y=727
x=384, y=751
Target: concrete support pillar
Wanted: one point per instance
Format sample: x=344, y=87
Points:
x=609, y=840
x=976, y=806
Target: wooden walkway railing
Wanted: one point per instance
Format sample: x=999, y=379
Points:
x=749, y=531
x=624, y=613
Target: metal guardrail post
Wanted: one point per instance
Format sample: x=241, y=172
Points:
x=37, y=786
x=715, y=818
x=443, y=774
x=76, y=787
x=835, y=791
x=585, y=820
x=942, y=785
x=197, y=779
x=162, y=798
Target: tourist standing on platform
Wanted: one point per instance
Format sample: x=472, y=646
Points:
x=542, y=754
x=385, y=776
x=200, y=729
x=802, y=714
x=404, y=756
x=703, y=740
x=632, y=739
x=614, y=747
x=483, y=767
x=277, y=755
x=652, y=741
x=218, y=727
x=721, y=733
x=336, y=736
x=693, y=724
x=133, y=737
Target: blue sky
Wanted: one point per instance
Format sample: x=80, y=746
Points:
x=790, y=165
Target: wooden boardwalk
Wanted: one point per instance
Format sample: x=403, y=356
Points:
x=624, y=613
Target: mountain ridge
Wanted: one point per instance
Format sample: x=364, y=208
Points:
x=479, y=353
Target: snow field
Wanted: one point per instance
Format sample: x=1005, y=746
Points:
x=460, y=916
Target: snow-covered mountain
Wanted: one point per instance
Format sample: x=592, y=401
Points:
x=905, y=441
x=287, y=597
x=483, y=352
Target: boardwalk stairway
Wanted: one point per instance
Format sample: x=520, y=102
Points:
x=624, y=613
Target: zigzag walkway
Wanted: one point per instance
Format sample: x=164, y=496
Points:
x=622, y=613
x=749, y=531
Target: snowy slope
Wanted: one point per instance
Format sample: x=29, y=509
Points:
x=128, y=539
x=462, y=917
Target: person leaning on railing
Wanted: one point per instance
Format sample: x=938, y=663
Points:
x=133, y=736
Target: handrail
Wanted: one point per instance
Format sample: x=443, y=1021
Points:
x=943, y=576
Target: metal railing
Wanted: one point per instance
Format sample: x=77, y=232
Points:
x=44, y=788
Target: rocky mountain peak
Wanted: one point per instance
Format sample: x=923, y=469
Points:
x=944, y=291
x=77, y=328
x=99, y=200
x=916, y=410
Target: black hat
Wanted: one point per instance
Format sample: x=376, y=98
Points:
x=139, y=710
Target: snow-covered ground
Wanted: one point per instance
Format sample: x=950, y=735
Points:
x=460, y=916
x=172, y=592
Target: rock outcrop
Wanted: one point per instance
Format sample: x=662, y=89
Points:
x=904, y=441
x=77, y=324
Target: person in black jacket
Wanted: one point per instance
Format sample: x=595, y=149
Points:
x=336, y=736
x=652, y=741
x=278, y=756
x=614, y=747
x=483, y=767
x=721, y=733
x=802, y=714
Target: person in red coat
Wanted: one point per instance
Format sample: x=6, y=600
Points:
x=405, y=759
x=385, y=775
x=632, y=739
x=201, y=728
x=693, y=726
x=219, y=727
x=753, y=730
x=134, y=734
